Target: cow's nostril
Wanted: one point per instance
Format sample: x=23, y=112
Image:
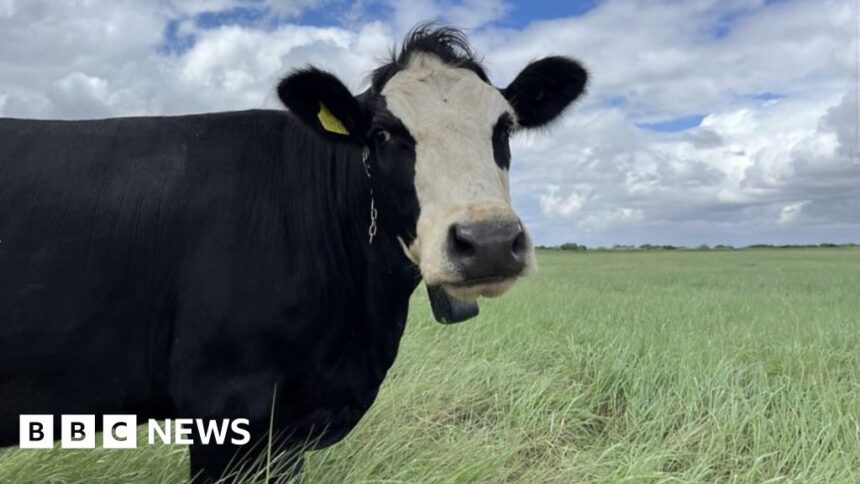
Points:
x=519, y=244
x=461, y=244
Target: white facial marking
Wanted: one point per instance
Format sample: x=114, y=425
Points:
x=451, y=112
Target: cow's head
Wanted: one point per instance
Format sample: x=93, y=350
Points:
x=437, y=133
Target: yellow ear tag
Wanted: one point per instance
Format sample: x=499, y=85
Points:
x=329, y=122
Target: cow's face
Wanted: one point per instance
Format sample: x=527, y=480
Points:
x=467, y=237
x=437, y=134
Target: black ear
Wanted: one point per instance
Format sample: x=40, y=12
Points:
x=544, y=89
x=320, y=100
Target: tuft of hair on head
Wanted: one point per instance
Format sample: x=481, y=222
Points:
x=449, y=44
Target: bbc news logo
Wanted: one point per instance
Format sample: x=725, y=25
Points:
x=120, y=431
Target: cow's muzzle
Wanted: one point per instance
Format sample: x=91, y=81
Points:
x=487, y=252
x=488, y=256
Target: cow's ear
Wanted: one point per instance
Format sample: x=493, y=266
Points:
x=544, y=89
x=320, y=100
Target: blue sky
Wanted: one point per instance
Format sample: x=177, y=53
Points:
x=675, y=124
x=519, y=14
x=706, y=121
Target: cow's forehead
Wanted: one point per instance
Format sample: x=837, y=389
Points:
x=430, y=96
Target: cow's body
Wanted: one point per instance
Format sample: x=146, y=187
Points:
x=184, y=266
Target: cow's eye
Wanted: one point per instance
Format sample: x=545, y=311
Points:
x=382, y=137
x=504, y=127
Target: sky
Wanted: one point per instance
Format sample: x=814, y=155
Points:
x=705, y=121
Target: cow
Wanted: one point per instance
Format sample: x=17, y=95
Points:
x=259, y=264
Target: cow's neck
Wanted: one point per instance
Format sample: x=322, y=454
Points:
x=376, y=278
x=390, y=276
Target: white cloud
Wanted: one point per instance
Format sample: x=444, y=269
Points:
x=78, y=92
x=408, y=13
x=554, y=204
x=790, y=212
x=471, y=14
x=7, y=8
x=465, y=14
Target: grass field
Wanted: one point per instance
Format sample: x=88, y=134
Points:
x=615, y=366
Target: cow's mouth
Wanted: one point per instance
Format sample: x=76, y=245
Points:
x=478, y=281
x=485, y=286
x=456, y=301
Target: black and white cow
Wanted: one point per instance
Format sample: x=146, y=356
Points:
x=210, y=266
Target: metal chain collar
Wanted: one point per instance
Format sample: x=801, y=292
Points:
x=371, y=230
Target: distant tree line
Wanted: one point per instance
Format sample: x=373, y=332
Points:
x=571, y=246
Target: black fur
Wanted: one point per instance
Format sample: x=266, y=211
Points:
x=542, y=91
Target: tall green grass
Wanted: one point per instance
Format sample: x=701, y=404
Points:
x=641, y=367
